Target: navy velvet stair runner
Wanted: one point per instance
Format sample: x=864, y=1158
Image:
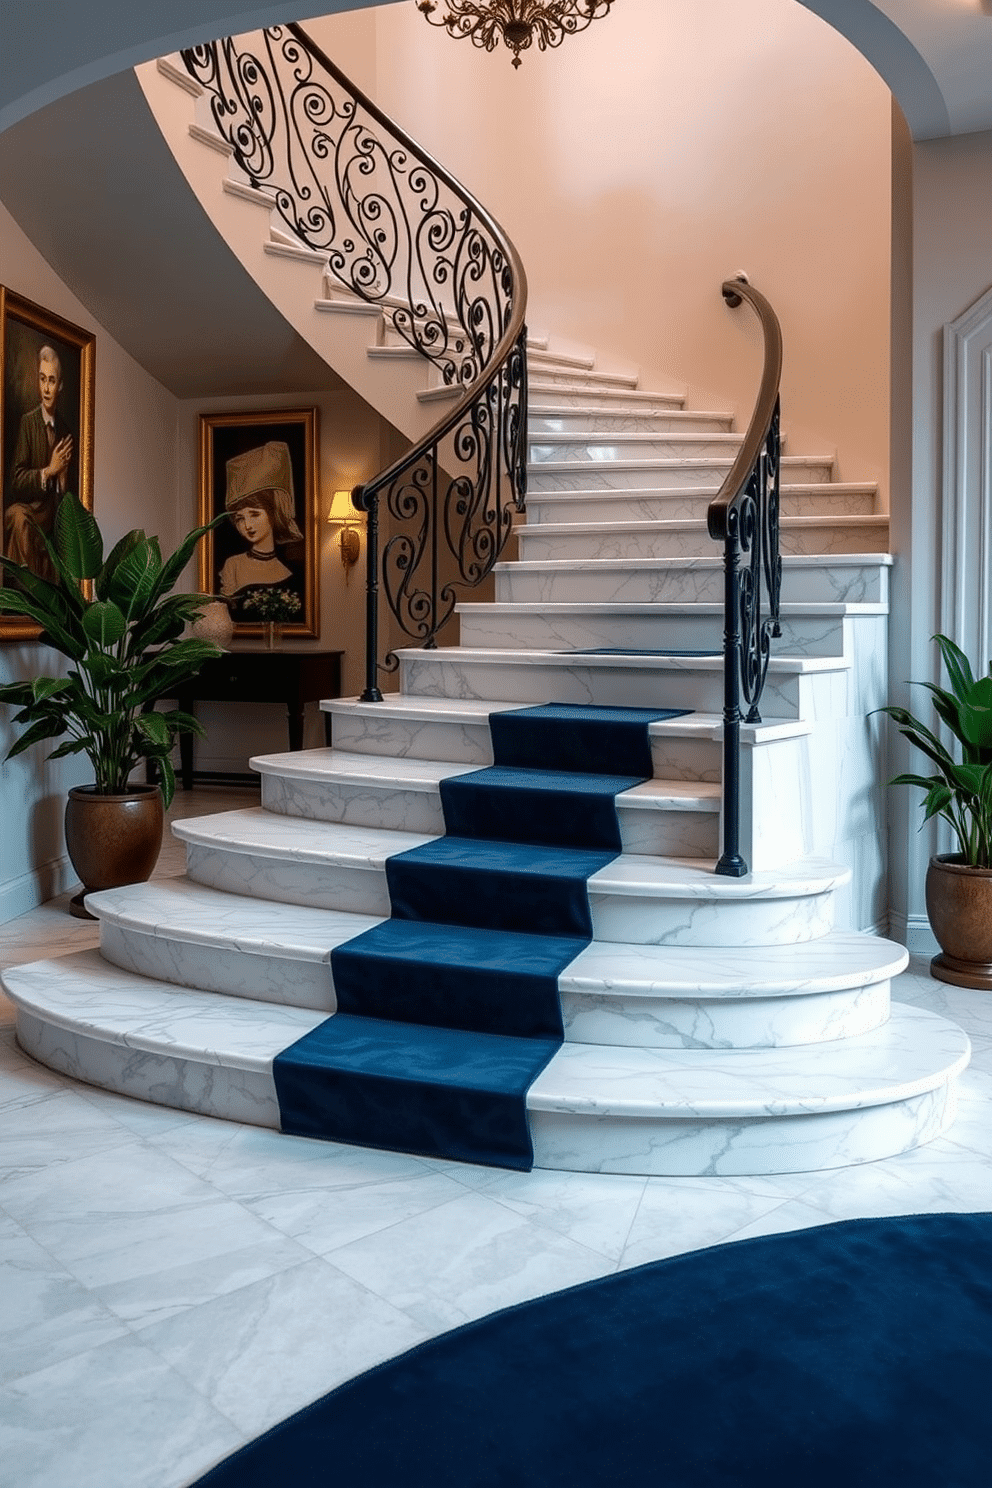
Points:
x=448, y=1011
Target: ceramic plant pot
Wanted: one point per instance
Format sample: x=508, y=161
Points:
x=959, y=904
x=112, y=840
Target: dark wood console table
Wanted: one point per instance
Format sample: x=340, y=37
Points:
x=293, y=678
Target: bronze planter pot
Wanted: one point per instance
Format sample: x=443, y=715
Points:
x=959, y=904
x=112, y=840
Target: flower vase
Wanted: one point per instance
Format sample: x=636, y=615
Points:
x=272, y=631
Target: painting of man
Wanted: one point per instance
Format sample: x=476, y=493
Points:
x=46, y=432
x=43, y=469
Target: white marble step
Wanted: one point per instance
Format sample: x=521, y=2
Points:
x=593, y=1108
x=691, y=997
x=293, y=859
x=796, y=687
x=576, y=371
x=565, y=392
x=820, y=498
x=546, y=416
x=858, y=578
x=178, y=931
x=457, y=729
x=607, y=448
x=807, y=630
x=672, y=817
x=688, y=538
x=659, y=474
x=639, y=898
x=748, y=1112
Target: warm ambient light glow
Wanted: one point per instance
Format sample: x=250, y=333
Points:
x=341, y=513
x=518, y=23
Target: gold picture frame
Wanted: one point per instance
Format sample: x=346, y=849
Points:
x=261, y=467
x=47, y=383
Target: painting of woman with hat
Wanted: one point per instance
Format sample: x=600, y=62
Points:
x=260, y=469
x=261, y=505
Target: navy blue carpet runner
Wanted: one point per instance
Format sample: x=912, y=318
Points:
x=448, y=1011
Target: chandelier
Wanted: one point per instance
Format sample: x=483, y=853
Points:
x=518, y=22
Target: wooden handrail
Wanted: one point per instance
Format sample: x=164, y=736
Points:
x=734, y=291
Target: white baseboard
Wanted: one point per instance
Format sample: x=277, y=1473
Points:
x=913, y=931
x=28, y=890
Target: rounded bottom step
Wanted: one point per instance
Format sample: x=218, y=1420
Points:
x=593, y=1108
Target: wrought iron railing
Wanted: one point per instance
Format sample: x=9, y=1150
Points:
x=401, y=233
x=744, y=516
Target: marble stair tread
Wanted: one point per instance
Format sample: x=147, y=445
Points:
x=181, y=909
x=689, y=879
x=86, y=996
x=665, y=493
x=422, y=708
x=915, y=1051
x=295, y=838
x=339, y=765
x=688, y=579
x=548, y=416
x=714, y=467
x=617, y=656
x=548, y=531
x=342, y=767
x=837, y=961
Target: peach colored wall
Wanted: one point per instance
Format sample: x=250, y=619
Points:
x=662, y=150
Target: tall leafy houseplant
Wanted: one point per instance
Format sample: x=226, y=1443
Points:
x=958, y=885
x=961, y=791
x=121, y=627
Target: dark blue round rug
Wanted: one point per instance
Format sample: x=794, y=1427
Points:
x=854, y=1354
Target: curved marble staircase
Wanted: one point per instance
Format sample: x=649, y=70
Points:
x=713, y=1025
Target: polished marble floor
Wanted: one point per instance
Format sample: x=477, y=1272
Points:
x=171, y=1285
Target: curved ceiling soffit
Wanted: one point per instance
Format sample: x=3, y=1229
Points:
x=45, y=57
x=894, y=57
x=84, y=44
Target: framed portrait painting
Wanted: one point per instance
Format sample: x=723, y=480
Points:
x=261, y=469
x=47, y=370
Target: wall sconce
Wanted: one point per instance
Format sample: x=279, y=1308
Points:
x=342, y=514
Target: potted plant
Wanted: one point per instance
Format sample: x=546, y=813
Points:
x=121, y=627
x=959, y=884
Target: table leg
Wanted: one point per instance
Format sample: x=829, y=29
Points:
x=295, y=711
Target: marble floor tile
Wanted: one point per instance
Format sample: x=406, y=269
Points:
x=115, y=1416
x=51, y=1127
x=45, y=1314
x=465, y=1259
x=129, y=1213
x=261, y=1353
x=596, y=1210
x=683, y=1214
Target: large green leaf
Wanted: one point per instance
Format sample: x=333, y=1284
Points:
x=47, y=687
x=104, y=623
x=45, y=728
x=153, y=727
x=174, y=566
x=77, y=539
x=116, y=556
x=957, y=665
x=132, y=585
x=60, y=636
x=71, y=746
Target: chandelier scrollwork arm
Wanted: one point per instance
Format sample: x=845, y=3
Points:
x=519, y=24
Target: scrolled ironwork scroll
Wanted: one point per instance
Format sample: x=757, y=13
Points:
x=399, y=232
